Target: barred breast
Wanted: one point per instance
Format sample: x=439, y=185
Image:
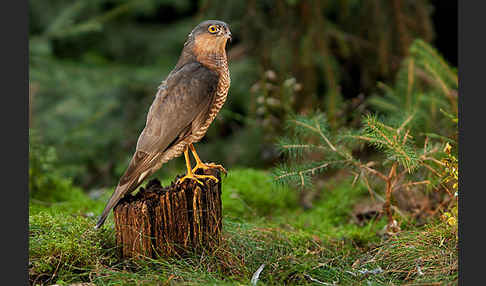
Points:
x=219, y=100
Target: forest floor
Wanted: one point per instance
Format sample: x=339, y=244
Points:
x=264, y=228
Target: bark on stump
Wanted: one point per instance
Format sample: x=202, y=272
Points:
x=169, y=221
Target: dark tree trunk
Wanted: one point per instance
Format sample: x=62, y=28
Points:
x=168, y=221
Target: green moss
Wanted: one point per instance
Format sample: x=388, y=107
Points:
x=74, y=202
x=250, y=194
x=64, y=246
x=331, y=215
x=263, y=224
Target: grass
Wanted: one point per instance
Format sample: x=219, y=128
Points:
x=263, y=224
x=425, y=256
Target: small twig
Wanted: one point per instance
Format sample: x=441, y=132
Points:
x=425, y=144
x=169, y=279
x=432, y=159
x=405, y=123
x=301, y=146
x=368, y=139
x=312, y=170
x=431, y=169
x=412, y=184
x=317, y=130
x=306, y=125
x=325, y=138
x=375, y=271
x=369, y=187
x=57, y=267
x=447, y=189
x=302, y=182
x=373, y=171
x=419, y=270
x=439, y=81
x=317, y=281
x=406, y=136
x=356, y=177
x=389, y=188
x=256, y=275
x=380, y=198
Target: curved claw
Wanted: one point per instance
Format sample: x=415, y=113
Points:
x=207, y=177
x=195, y=177
x=206, y=166
x=186, y=177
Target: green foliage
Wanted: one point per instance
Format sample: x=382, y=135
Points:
x=308, y=135
x=65, y=247
x=331, y=214
x=450, y=176
x=428, y=59
x=394, y=142
x=261, y=224
x=409, y=154
x=94, y=70
x=294, y=245
x=317, y=55
x=250, y=194
x=95, y=66
x=422, y=256
x=425, y=87
x=45, y=181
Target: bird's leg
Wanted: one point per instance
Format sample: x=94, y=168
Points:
x=204, y=166
x=190, y=174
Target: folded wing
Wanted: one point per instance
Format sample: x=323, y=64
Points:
x=185, y=94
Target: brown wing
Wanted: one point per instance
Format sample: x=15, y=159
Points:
x=185, y=94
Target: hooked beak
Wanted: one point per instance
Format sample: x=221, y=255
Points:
x=228, y=35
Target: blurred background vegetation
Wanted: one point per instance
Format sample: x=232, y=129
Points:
x=95, y=66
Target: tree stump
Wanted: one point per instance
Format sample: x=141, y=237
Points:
x=169, y=221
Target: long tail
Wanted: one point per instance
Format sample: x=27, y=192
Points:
x=137, y=171
x=119, y=192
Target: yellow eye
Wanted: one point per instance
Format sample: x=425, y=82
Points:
x=212, y=29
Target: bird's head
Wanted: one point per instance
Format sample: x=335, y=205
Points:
x=209, y=37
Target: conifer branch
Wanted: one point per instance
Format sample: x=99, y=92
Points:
x=368, y=139
x=409, y=118
x=325, y=138
x=425, y=182
x=406, y=103
x=302, y=146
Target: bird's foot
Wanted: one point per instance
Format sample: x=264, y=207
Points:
x=196, y=177
x=207, y=177
x=205, y=166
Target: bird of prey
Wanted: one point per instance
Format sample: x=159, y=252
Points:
x=186, y=103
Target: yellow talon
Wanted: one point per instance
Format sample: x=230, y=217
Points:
x=181, y=180
x=190, y=174
x=207, y=177
x=195, y=177
x=204, y=166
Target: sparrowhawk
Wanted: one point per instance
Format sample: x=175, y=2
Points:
x=186, y=103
